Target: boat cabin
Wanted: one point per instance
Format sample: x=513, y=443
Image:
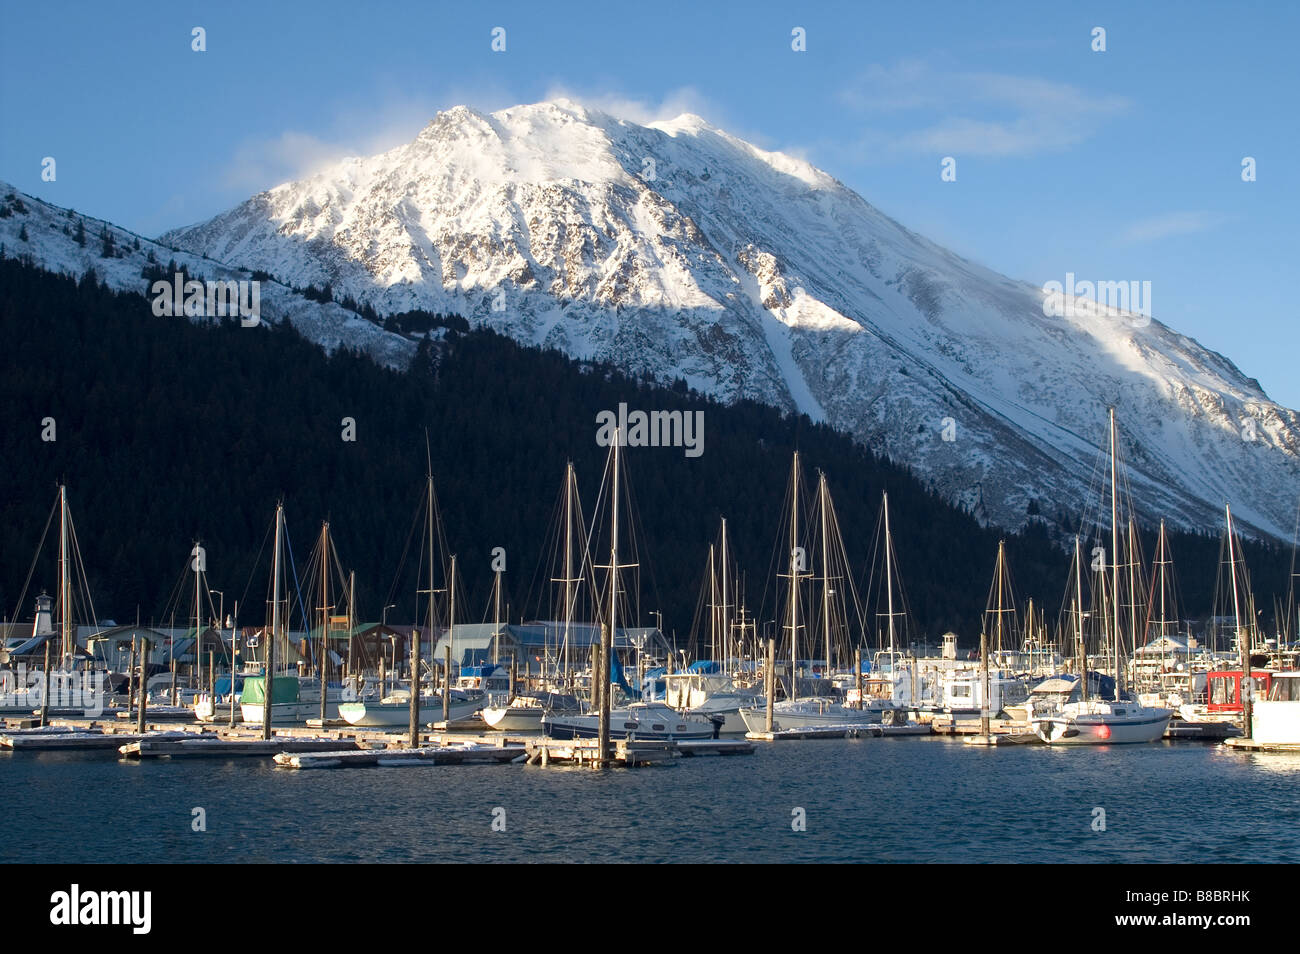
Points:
x=1225, y=688
x=1285, y=688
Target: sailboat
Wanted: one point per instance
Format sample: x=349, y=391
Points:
x=1082, y=718
x=818, y=710
x=286, y=707
x=50, y=653
x=706, y=688
x=636, y=720
x=394, y=709
x=525, y=711
x=989, y=691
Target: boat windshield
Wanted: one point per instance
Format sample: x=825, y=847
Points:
x=1284, y=690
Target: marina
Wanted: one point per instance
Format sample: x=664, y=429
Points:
x=585, y=690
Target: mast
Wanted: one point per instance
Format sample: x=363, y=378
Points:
x=713, y=607
x=198, y=623
x=496, y=624
x=352, y=621
x=429, y=504
x=826, y=574
x=1078, y=604
x=324, y=615
x=65, y=578
x=726, y=615
x=1160, y=562
x=889, y=581
x=451, y=612
x=607, y=633
x=269, y=679
x=1133, y=568
x=794, y=578
x=1114, y=560
x=569, y=481
x=563, y=644
x=1243, y=638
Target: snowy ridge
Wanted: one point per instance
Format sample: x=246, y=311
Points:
x=678, y=250
x=49, y=246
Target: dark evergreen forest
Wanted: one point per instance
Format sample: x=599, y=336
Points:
x=168, y=432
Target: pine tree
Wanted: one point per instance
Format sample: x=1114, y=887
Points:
x=110, y=247
x=81, y=233
x=22, y=233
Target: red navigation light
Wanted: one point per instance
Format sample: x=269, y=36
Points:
x=1103, y=731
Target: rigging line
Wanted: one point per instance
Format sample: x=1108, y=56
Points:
x=79, y=571
x=406, y=550
x=256, y=561
x=22, y=594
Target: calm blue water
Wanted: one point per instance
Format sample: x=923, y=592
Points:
x=869, y=800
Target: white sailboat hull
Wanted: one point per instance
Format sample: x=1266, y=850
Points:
x=282, y=713
x=399, y=713
x=1102, y=724
x=633, y=722
x=806, y=714
x=514, y=718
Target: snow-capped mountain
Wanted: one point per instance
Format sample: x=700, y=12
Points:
x=676, y=249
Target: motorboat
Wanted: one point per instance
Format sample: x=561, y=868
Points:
x=637, y=720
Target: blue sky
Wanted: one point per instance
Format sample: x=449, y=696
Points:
x=1118, y=165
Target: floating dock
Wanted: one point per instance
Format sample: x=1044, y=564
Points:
x=693, y=748
x=627, y=752
x=212, y=747
x=395, y=758
x=1182, y=731
x=951, y=725
x=1021, y=737
x=39, y=741
x=875, y=731
x=1251, y=745
x=159, y=713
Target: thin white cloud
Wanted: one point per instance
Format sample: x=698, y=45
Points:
x=365, y=129
x=263, y=163
x=638, y=110
x=929, y=110
x=1166, y=226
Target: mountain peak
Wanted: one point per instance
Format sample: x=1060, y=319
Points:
x=677, y=250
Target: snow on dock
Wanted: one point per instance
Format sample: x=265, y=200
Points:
x=52, y=739
x=207, y=746
x=856, y=731
x=463, y=754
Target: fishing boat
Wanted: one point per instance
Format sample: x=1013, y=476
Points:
x=963, y=692
x=704, y=691
x=1224, y=695
x=288, y=707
